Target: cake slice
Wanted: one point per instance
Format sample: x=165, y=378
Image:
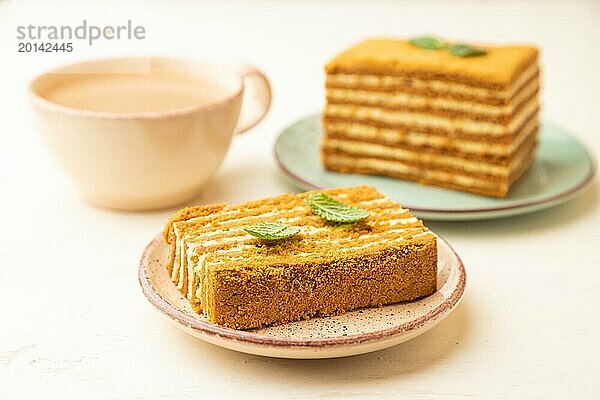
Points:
x=467, y=123
x=240, y=281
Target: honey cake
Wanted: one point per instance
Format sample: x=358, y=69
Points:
x=467, y=123
x=242, y=282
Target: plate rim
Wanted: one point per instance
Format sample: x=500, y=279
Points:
x=525, y=204
x=188, y=321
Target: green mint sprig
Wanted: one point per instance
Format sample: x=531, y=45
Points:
x=272, y=230
x=332, y=210
x=464, y=50
x=458, y=49
x=427, y=42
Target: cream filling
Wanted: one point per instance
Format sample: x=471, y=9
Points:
x=365, y=149
x=394, y=136
x=198, y=241
x=400, y=99
x=180, y=225
x=334, y=242
x=418, y=120
x=176, y=274
x=193, y=243
x=381, y=166
x=260, y=217
x=364, y=246
x=393, y=82
x=209, y=218
x=190, y=269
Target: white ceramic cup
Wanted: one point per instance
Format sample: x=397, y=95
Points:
x=146, y=159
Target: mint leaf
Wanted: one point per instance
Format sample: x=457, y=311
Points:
x=272, y=230
x=458, y=49
x=427, y=42
x=465, y=50
x=334, y=211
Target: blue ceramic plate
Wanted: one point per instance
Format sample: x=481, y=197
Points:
x=563, y=168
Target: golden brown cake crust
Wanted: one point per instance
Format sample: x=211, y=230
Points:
x=498, y=69
x=187, y=213
x=296, y=292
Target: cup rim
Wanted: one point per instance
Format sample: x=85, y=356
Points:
x=52, y=106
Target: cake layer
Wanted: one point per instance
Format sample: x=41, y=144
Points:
x=429, y=160
x=428, y=123
x=433, y=87
x=397, y=169
x=434, y=105
x=498, y=69
x=242, y=282
x=491, y=150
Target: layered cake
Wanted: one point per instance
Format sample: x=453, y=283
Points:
x=241, y=281
x=461, y=120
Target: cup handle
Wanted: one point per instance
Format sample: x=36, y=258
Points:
x=255, y=109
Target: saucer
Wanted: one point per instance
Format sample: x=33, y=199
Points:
x=352, y=333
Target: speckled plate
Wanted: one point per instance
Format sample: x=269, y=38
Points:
x=356, y=332
x=562, y=169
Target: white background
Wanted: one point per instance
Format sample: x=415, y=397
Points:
x=74, y=323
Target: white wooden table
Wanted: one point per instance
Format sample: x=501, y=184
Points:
x=74, y=324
